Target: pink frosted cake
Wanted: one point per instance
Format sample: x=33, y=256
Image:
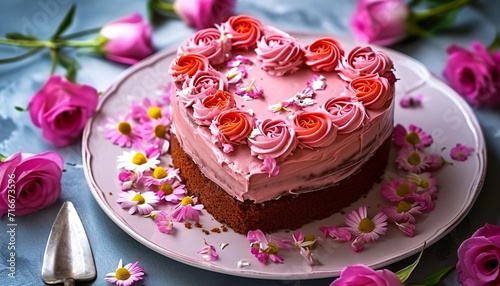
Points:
x=272, y=133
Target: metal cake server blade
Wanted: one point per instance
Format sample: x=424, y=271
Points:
x=68, y=256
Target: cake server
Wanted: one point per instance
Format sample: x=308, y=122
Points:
x=68, y=256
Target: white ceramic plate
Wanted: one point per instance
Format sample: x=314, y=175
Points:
x=443, y=114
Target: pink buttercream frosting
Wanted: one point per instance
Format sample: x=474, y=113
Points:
x=230, y=128
x=213, y=43
x=187, y=65
x=276, y=139
x=314, y=129
x=202, y=84
x=373, y=91
x=245, y=31
x=323, y=54
x=209, y=107
x=346, y=112
x=279, y=54
x=362, y=61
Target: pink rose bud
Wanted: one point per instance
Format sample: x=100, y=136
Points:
x=29, y=183
x=362, y=275
x=128, y=40
x=61, y=109
x=381, y=22
x=202, y=14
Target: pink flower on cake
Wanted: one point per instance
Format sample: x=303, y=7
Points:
x=187, y=65
x=361, y=275
x=162, y=221
x=317, y=82
x=208, y=252
x=125, y=275
x=361, y=61
x=323, y=54
x=236, y=74
x=238, y=61
x=381, y=22
x=398, y=190
x=187, y=208
x=373, y=91
x=135, y=201
x=61, y=109
x=245, y=31
x=128, y=179
x=262, y=248
x=201, y=85
x=203, y=14
x=337, y=233
x=345, y=112
x=275, y=139
x=123, y=133
x=314, y=129
x=231, y=127
x=213, y=43
x=364, y=228
x=30, y=182
x=148, y=110
x=204, y=111
x=414, y=136
x=249, y=91
x=139, y=161
x=479, y=257
x=412, y=160
x=128, y=39
x=403, y=212
x=460, y=152
x=279, y=54
x=270, y=166
x=474, y=74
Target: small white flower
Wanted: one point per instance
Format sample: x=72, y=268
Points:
x=137, y=161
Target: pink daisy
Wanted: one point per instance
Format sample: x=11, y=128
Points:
x=460, y=152
x=160, y=176
x=162, y=221
x=187, y=208
x=403, y=212
x=143, y=202
x=122, y=133
x=149, y=110
x=435, y=162
x=172, y=192
x=412, y=160
x=208, y=252
x=398, y=190
x=125, y=275
x=262, y=248
x=426, y=199
x=409, y=101
x=413, y=137
x=364, y=228
x=155, y=129
x=335, y=232
x=407, y=228
x=128, y=179
x=423, y=181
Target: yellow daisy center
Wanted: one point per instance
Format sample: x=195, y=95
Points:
x=155, y=112
x=271, y=249
x=122, y=273
x=124, y=128
x=366, y=225
x=403, y=189
x=187, y=201
x=167, y=189
x=424, y=184
x=414, y=159
x=403, y=207
x=139, y=199
x=413, y=138
x=160, y=131
x=159, y=173
x=310, y=237
x=139, y=159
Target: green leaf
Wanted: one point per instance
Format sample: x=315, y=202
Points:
x=19, y=36
x=19, y=108
x=404, y=273
x=493, y=47
x=2, y=158
x=20, y=57
x=70, y=65
x=436, y=276
x=66, y=22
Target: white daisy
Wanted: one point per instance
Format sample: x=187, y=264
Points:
x=138, y=161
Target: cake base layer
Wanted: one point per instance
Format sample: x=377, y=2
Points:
x=288, y=212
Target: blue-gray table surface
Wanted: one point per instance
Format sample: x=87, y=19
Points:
x=19, y=81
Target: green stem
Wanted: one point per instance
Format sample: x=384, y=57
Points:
x=24, y=43
x=21, y=57
x=79, y=44
x=441, y=9
x=167, y=7
x=53, y=64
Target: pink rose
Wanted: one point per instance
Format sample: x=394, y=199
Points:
x=212, y=43
x=231, y=128
x=203, y=14
x=323, y=54
x=359, y=274
x=276, y=139
x=474, y=74
x=128, y=39
x=314, y=129
x=364, y=61
x=187, y=65
x=479, y=258
x=345, y=112
x=61, y=108
x=381, y=22
x=373, y=91
x=279, y=54
x=202, y=84
x=245, y=31
x=30, y=182
x=207, y=109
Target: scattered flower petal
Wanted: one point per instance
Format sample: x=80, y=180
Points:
x=460, y=152
x=208, y=252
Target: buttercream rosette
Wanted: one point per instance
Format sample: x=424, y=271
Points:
x=231, y=128
x=323, y=54
x=314, y=129
x=280, y=54
x=276, y=139
x=245, y=31
x=186, y=66
x=213, y=43
x=362, y=61
x=205, y=110
x=346, y=112
x=373, y=91
x=201, y=85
